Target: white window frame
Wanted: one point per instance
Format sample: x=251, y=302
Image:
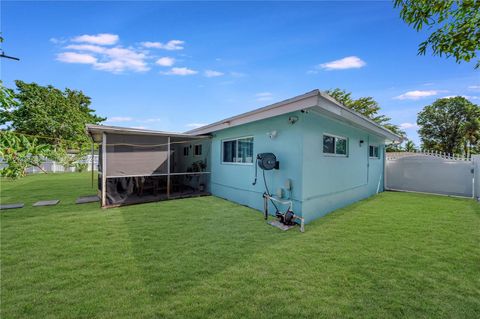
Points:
x=236, y=148
x=335, y=145
x=195, y=148
x=378, y=151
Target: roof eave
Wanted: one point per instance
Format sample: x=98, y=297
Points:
x=334, y=107
x=95, y=129
x=303, y=101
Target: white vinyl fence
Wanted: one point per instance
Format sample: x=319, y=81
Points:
x=50, y=166
x=434, y=173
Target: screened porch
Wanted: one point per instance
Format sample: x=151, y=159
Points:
x=138, y=166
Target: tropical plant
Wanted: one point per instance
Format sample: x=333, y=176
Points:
x=410, y=146
x=370, y=108
x=19, y=153
x=457, y=24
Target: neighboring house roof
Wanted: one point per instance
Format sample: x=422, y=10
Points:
x=316, y=101
x=96, y=132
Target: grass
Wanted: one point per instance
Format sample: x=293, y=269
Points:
x=393, y=255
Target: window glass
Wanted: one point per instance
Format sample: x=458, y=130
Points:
x=335, y=145
x=198, y=149
x=185, y=151
x=373, y=151
x=340, y=146
x=245, y=150
x=229, y=151
x=328, y=144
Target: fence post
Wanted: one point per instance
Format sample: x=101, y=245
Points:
x=476, y=176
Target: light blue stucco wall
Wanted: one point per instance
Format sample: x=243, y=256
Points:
x=320, y=183
x=331, y=182
x=234, y=181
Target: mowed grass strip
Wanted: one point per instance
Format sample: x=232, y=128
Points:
x=393, y=255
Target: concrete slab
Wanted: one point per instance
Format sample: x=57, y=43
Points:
x=87, y=199
x=279, y=225
x=47, y=203
x=11, y=206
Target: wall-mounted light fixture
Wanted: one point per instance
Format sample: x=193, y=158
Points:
x=272, y=134
x=361, y=143
x=292, y=120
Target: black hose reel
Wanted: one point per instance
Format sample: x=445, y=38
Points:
x=267, y=162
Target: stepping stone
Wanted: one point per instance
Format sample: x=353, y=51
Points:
x=87, y=199
x=11, y=206
x=46, y=203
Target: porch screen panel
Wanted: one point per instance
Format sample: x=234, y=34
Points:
x=136, y=155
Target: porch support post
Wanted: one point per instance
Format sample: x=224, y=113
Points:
x=93, y=160
x=168, y=167
x=104, y=170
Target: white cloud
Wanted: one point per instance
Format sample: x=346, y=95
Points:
x=140, y=127
x=118, y=119
x=111, y=59
x=87, y=47
x=212, y=73
x=418, y=94
x=406, y=126
x=73, y=57
x=264, y=96
x=195, y=125
x=101, y=38
x=180, y=71
x=474, y=87
x=170, y=45
x=165, y=61
x=350, y=62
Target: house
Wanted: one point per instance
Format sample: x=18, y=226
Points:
x=328, y=155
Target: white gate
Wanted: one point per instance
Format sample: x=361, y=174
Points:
x=430, y=173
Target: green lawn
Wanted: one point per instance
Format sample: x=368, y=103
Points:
x=393, y=255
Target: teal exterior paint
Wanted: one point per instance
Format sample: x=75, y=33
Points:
x=331, y=182
x=320, y=182
x=234, y=181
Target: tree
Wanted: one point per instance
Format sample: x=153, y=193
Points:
x=56, y=117
x=471, y=130
x=19, y=153
x=410, y=146
x=368, y=107
x=448, y=124
x=7, y=101
x=457, y=24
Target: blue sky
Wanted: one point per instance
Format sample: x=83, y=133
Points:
x=173, y=66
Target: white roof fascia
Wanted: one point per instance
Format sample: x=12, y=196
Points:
x=315, y=100
x=95, y=130
x=331, y=107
